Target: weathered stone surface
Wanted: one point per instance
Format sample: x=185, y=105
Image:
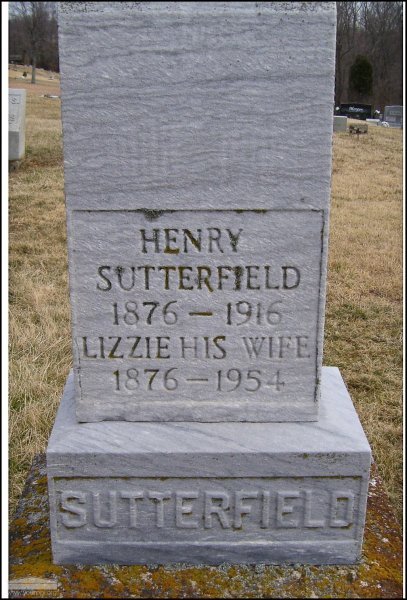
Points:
x=237, y=340
x=132, y=493
x=16, y=124
x=393, y=115
x=379, y=574
x=180, y=105
x=340, y=123
x=183, y=107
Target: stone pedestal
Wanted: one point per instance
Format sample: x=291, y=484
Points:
x=379, y=574
x=273, y=493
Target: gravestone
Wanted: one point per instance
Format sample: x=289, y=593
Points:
x=340, y=123
x=393, y=115
x=16, y=124
x=376, y=122
x=198, y=424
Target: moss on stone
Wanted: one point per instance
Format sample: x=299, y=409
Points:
x=378, y=575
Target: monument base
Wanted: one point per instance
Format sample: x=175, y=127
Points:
x=210, y=493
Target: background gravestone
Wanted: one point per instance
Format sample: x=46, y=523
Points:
x=393, y=115
x=340, y=123
x=16, y=124
x=376, y=122
x=197, y=221
x=197, y=212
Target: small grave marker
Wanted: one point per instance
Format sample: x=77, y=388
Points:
x=358, y=129
x=340, y=123
x=16, y=124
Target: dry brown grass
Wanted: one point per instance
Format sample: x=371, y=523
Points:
x=43, y=85
x=363, y=333
x=364, y=309
x=39, y=343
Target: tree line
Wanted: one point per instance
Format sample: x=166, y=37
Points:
x=369, y=47
x=369, y=53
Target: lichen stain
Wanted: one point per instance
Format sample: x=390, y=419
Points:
x=152, y=215
x=378, y=575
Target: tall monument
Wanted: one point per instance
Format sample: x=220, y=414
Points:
x=199, y=424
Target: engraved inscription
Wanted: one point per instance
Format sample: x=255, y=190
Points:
x=14, y=115
x=231, y=309
x=283, y=508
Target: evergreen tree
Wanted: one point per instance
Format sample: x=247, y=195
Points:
x=361, y=77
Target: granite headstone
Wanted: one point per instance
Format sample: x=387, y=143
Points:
x=198, y=223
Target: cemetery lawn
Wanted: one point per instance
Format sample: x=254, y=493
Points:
x=363, y=333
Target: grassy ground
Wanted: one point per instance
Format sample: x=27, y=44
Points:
x=364, y=304
x=47, y=82
x=39, y=344
x=363, y=332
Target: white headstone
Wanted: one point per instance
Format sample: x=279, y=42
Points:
x=16, y=124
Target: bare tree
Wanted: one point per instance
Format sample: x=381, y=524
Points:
x=374, y=30
x=346, y=27
x=34, y=20
x=382, y=23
